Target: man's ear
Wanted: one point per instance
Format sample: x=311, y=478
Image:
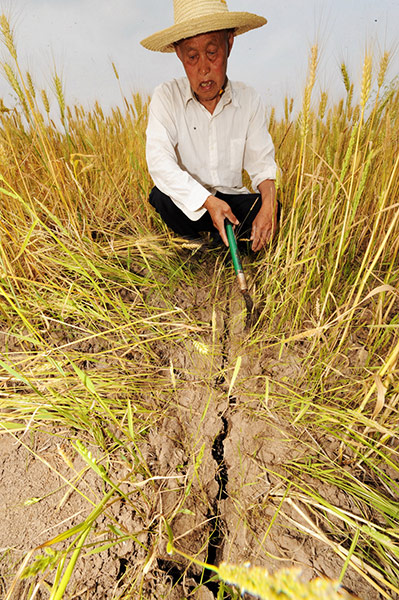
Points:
x=178, y=51
x=230, y=41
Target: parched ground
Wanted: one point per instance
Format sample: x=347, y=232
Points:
x=217, y=458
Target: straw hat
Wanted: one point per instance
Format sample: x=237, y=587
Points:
x=193, y=17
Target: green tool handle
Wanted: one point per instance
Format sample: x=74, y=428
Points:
x=235, y=255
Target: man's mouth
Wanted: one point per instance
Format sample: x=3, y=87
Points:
x=206, y=84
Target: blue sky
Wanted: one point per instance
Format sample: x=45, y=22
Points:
x=82, y=37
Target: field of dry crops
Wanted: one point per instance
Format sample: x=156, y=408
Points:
x=149, y=442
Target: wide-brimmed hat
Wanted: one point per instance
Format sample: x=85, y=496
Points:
x=193, y=17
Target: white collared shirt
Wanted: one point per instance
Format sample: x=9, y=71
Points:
x=192, y=153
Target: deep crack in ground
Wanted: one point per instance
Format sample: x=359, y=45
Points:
x=216, y=540
x=218, y=533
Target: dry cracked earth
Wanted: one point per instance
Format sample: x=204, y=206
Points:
x=218, y=463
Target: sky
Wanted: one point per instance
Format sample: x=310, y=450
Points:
x=81, y=39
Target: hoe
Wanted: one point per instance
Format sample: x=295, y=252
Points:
x=242, y=282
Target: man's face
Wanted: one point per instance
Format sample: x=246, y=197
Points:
x=204, y=59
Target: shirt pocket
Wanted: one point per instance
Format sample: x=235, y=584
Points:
x=237, y=155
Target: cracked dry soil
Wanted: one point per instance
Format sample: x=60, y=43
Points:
x=220, y=457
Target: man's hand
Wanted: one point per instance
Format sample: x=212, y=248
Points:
x=219, y=210
x=265, y=223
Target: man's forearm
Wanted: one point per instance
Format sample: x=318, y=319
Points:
x=267, y=191
x=264, y=225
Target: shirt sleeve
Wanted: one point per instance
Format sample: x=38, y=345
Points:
x=259, y=149
x=168, y=176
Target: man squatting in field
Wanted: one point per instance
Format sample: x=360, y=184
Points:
x=204, y=129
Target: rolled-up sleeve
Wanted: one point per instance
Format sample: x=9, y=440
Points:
x=259, y=149
x=162, y=139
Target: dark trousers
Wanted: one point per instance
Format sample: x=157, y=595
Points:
x=244, y=206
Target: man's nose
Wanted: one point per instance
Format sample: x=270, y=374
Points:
x=204, y=65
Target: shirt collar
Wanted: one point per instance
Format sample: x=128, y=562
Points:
x=229, y=95
x=187, y=92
